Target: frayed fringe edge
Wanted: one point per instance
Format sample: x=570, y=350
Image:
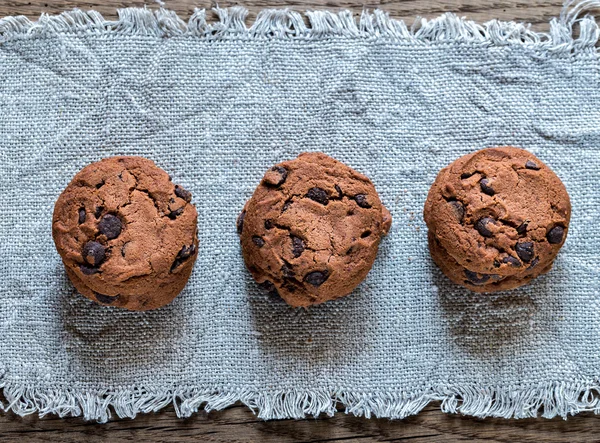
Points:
x=286, y=24
x=559, y=399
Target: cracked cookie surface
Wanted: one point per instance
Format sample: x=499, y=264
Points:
x=497, y=213
x=126, y=234
x=312, y=229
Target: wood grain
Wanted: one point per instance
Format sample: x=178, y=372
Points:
x=237, y=423
x=537, y=12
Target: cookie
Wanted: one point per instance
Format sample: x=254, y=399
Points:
x=480, y=282
x=312, y=229
x=126, y=234
x=498, y=212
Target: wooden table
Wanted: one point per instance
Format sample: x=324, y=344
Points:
x=237, y=423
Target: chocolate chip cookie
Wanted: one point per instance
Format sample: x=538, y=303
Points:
x=312, y=229
x=126, y=234
x=496, y=218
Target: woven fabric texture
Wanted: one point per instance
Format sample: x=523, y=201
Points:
x=216, y=104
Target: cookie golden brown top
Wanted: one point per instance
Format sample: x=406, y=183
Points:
x=499, y=211
x=126, y=233
x=312, y=228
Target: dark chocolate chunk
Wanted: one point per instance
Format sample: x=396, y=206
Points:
x=486, y=187
x=88, y=270
x=105, y=299
x=82, y=215
x=361, y=200
x=297, y=246
x=276, y=176
x=287, y=271
x=110, y=225
x=525, y=251
x=511, y=261
x=316, y=278
x=556, y=234
x=93, y=253
x=258, y=241
x=183, y=193
x=185, y=253
x=529, y=164
x=458, y=209
x=339, y=191
x=176, y=213
x=482, y=226
x=475, y=278
x=240, y=222
x=319, y=195
x=533, y=263
x=522, y=228
x=269, y=224
x=98, y=211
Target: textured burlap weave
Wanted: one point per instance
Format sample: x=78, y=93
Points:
x=215, y=104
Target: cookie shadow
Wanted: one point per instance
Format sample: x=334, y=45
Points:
x=330, y=332
x=112, y=343
x=493, y=324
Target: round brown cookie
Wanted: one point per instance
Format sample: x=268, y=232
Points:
x=312, y=229
x=126, y=234
x=480, y=282
x=498, y=210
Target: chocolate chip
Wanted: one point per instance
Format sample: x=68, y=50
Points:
x=240, y=222
x=275, y=176
x=258, y=241
x=533, y=264
x=361, y=200
x=88, y=270
x=475, y=278
x=525, y=251
x=286, y=271
x=522, y=228
x=82, y=215
x=466, y=175
x=339, y=191
x=555, y=235
x=105, y=299
x=486, y=188
x=98, y=211
x=183, y=193
x=176, y=213
x=316, y=278
x=184, y=253
x=319, y=195
x=93, y=253
x=482, y=226
x=286, y=205
x=269, y=224
x=99, y=185
x=532, y=165
x=458, y=209
x=365, y=234
x=511, y=261
x=111, y=226
x=297, y=246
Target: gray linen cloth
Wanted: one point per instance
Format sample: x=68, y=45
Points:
x=216, y=104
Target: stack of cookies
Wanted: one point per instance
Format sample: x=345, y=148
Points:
x=126, y=234
x=496, y=218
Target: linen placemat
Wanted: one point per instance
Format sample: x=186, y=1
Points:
x=216, y=104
